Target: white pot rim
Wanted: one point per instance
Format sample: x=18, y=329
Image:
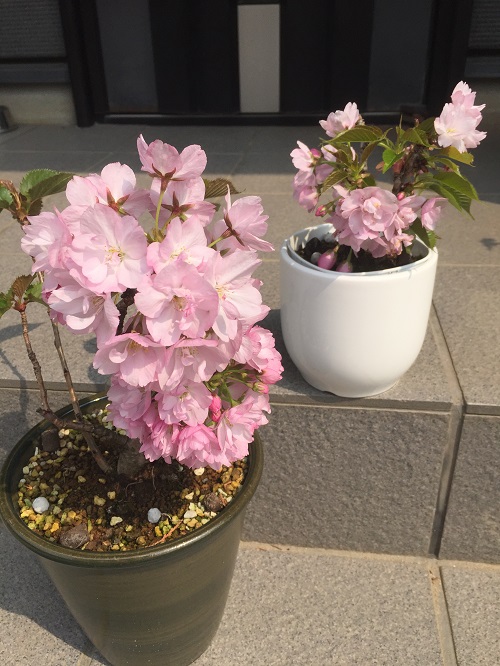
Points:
x=290, y=255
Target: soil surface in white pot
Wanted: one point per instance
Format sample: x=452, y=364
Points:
x=90, y=510
x=361, y=262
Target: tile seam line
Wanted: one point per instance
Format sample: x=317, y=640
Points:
x=442, y=615
x=421, y=560
x=363, y=407
x=453, y=436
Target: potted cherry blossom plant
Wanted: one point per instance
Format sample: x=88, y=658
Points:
x=134, y=501
x=356, y=290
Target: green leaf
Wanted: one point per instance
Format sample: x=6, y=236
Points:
x=414, y=135
x=363, y=133
x=457, y=182
x=6, y=199
x=6, y=301
x=33, y=293
x=465, y=158
x=456, y=198
x=368, y=150
x=42, y=182
x=427, y=237
x=218, y=187
x=333, y=179
x=390, y=157
x=427, y=125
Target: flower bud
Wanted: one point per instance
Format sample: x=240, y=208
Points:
x=327, y=260
x=320, y=211
x=260, y=387
x=315, y=153
x=400, y=196
x=344, y=267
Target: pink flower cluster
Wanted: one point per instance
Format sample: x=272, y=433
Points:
x=363, y=215
x=456, y=126
x=190, y=368
x=376, y=220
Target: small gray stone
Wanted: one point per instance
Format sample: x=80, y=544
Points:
x=50, y=440
x=213, y=502
x=75, y=537
x=130, y=460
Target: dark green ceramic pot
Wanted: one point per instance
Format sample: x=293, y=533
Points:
x=160, y=606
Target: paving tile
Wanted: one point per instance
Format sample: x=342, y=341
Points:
x=472, y=596
x=285, y=217
x=472, y=527
x=284, y=139
x=58, y=138
x=63, y=160
x=35, y=625
x=466, y=300
x=312, y=609
x=261, y=173
x=484, y=175
x=355, y=479
x=15, y=367
x=466, y=241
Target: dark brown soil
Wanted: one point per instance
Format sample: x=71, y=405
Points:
x=361, y=262
x=92, y=511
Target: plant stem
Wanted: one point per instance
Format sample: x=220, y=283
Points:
x=34, y=361
x=94, y=449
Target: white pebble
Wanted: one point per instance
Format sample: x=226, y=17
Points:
x=199, y=471
x=154, y=515
x=115, y=520
x=40, y=504
x=190, y=514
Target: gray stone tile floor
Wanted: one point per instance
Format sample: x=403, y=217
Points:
x=344, y=577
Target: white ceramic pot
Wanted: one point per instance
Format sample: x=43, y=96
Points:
x=354, y=334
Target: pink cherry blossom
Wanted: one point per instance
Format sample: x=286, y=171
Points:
x=188, y=403
x=262, y=354
x=128, y=405
x=182, y=199
x=236, y=427
x=456, y=126
x=364, y=214
x=163, y=160
x=110, y=251
x=179, y=301
x=239, y=300
x=339, y=121
x=431, y=212
x=159, y=439
x=115, y=187
x=197, y=446
x=463, y=95
x=80, y=309
x=192, y=360
x=46, y=238
x=243, y=226
x=304, y=158
x=136, y=358
x=183, y=240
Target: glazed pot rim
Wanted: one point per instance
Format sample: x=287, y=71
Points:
x=58, y=553
x=289, y=254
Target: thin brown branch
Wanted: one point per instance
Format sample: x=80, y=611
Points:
x=34, y=360
x=94, y=449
